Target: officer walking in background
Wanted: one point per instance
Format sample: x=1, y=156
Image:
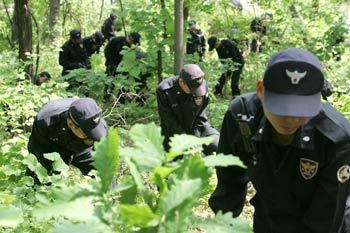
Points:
x=41, y=78
x=231, y=57
x=93, y=43
x=114, y=47
x=73, y=54
x=69, y=127
x=108, y=27
x=114, y=57
x=195, y=41
x=182, y=101
x=296, y=150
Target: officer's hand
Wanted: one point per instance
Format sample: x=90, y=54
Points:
x=81, y=65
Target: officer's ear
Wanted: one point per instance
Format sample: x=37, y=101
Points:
x=260, y=90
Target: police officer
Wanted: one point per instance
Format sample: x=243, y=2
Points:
x=93, y=43
x=182, y=101
x=296, y=150
x=229, y=55
x=114, y=47
x=196, y=41
x=108, y=27
x=69, y=127
x=41, y=78
x=73, y=54
x=260, y=30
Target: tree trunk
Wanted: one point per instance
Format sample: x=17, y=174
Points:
x=24, y=25
x=179, y=42
x=159, y=52
x=54, y=15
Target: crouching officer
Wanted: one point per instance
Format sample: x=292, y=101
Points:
x=296, y=149
x=182, y=101
x=93, y=43
x=41, y=78
x=69, y=127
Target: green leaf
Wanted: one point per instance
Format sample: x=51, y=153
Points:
x=178, y=194
x=148, y=140
x=10, y=216
x=58, y=163
x=33, y=164
x=106, y=158
x=224, y=223
x=222, y=160
x=141, y=216
x=68, y=209
x=187, y=144
x=82, y=227
x=127, y=189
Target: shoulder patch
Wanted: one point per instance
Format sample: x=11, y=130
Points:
x=308, y=168
x=343, y=173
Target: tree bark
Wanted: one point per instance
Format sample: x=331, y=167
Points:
x=54, y=15
x=179, y=42
x=24, y=25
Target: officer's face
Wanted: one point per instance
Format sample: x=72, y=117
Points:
x=79, y=132
x=285, y=125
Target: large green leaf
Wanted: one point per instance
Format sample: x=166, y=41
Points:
x=36, y=167
x=187, y=144
x=10, y=216
x=148, y=140
x=106, y=158
x=82, y=227
x=141, y=216
x=68, y=209
x=222, y=160
x=179, y=193
x=224, y=223
x=58, y=163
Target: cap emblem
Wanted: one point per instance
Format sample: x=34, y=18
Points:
x=96, y=119
x=295, y=76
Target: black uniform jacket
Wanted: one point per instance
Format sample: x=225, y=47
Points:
x=90, y=46
x=195, y=43
x=50, y=132
x=178, y=112
x=73, y=56
x=302, y=187
x=113, y=49
x=229, y=50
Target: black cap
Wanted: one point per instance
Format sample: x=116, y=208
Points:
x=45, y=73
x=75, y=34
x=194, y=79
x=87, y=115
x=192, y=23
x=113, y=16
x=211, y=41
x=135, y=36
x=293, y=81
x=98, y=36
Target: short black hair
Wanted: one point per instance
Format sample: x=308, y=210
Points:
x=135, y=36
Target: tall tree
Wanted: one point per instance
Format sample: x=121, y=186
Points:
x=54, y=6
x=24, y=25
x=179, y=41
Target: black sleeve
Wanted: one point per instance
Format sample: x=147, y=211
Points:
x=231, y=188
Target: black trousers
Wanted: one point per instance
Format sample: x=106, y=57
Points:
x=234, y=76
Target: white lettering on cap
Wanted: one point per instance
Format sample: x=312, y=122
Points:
x=295, y=76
